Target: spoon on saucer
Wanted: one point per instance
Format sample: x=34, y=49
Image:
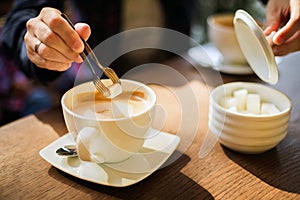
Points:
x=67, y=150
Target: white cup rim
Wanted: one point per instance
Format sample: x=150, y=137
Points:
x=216, y=105
x=150, y=92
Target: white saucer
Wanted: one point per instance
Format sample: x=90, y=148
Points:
x=154, y=153
x=208, y=55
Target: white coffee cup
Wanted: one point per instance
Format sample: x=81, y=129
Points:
x=222, y=35
x=109, y=130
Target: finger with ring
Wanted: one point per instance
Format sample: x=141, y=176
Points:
x=37, y=46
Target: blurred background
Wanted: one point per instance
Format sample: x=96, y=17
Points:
x=20, y=96
x=207, y=8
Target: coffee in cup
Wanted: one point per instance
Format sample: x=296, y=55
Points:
x=95, y=105
x=109, y=130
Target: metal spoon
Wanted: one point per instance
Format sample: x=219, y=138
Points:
x=68, y=151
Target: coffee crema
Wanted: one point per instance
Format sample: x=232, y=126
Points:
x=94, y=105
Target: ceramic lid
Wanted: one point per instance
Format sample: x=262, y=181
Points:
x=255, y=47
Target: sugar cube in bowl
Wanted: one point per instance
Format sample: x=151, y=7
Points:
x=248, y=103
x=249, y=117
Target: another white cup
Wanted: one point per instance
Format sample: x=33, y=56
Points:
x=108, y=139
x=222, y=35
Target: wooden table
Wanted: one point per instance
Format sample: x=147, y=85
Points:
x=202, y=168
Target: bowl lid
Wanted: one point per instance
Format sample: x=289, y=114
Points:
x=255, y=47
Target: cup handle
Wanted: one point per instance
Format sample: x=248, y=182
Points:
x=86, y=146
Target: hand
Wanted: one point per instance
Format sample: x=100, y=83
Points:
x=60, y=43
x=283, y=16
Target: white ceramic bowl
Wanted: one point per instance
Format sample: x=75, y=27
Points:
x=244, y=132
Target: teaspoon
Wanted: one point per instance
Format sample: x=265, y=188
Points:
x=68, y=150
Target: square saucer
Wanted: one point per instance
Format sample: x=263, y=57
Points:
x=156, y=150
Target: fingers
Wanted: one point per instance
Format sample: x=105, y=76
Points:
x=61, y=27
x=291, y=45
x=272, y=17
x=283, y=17
x=44, y=57
x=286, y=32
x=83, y=30
x=272, y=26
x=60, y=43
x=292, y=26
x=272, y=23
x=42, y=32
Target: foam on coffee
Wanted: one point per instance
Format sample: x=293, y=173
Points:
x=94, y=105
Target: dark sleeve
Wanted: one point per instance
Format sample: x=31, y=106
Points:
x=264, y=1
x=12, y=36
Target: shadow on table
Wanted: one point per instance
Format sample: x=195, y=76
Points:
x=165, y=183
x=54, y=118
x=278, y=167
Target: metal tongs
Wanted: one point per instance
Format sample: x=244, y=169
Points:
x=107, y=91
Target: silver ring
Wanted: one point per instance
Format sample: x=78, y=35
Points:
x=37, y=46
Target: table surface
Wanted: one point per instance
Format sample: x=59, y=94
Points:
x=201, y=168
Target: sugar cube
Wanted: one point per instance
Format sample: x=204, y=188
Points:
x=253, y=103
x=231, y=102
x=268, y=108
x=241, y=97
x=247, y=103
